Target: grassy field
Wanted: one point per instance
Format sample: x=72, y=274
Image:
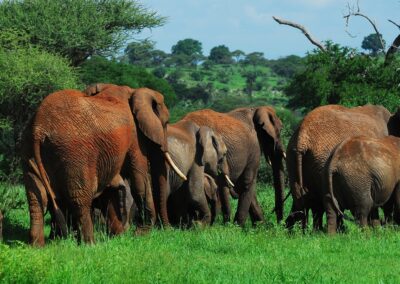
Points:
x=218, y=254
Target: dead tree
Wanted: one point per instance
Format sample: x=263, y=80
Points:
x=352, y=11
x=304, y=31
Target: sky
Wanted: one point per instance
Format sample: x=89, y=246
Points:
x=248, y=25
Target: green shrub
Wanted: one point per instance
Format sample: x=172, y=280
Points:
x=27, y=75
x=99, y=69
x=342, y=76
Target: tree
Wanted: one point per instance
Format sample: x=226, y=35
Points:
x=339, y=75
x=188, y=47
x=28, y=74
x=372, y=43
x=99, y=69
x=187, y=51
x=254, y=58
x=238, y=55
x=220, y=55
x=78, y=29
x=139, y=53
x=287, y=66
x=251, y=79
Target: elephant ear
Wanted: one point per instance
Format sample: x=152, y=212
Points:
x=266, y=119
x=151, y=115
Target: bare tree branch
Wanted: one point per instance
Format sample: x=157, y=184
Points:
x=394, y=23
x=353, y=12
x=304, y=31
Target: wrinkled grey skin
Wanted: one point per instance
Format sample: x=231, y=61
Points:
x=195, y=150
x=248, y=133
x=362, y=174
x=310, y=146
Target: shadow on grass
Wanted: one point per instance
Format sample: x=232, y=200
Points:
x=14, y=232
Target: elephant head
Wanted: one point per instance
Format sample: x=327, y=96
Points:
x=212, y=154
x=268, y=127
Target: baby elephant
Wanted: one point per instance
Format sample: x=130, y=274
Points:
x=362, y=174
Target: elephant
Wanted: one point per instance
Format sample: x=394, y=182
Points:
x=79, y=143
x=312, y=143
x=362, y=173
x=196, y=151
x=247, y=132
x=114, y=208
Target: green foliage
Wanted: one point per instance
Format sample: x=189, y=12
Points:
x=186, y=52
x=220, y=55
x=372, y=43
x=27, y=75
x=254, y=58
x=98, y=69
x=77, y=29
x=11, y=197
x=342, y=76
x=139, y=53
x=287, y=66
x=188, y=47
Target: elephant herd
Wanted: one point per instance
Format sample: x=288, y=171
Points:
x=112, y=149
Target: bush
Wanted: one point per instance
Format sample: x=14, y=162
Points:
x=99, y=69
x=342, y=76
x=27, y=75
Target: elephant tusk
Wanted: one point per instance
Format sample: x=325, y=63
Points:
x=175, y=168
x=284, y=154
x=269, y=161
x=228, y=180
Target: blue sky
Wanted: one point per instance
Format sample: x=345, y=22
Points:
x=248, y=25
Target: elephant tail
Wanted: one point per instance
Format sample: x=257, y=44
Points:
x=299, y=171
x=55, y=210
x=330, y=171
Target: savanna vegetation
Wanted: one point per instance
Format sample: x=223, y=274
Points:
x=50, y=45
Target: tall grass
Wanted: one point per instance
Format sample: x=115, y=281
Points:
x=218, y=254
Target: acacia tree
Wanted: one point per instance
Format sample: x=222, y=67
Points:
x=187, y=51
x=220, y=55
x=78, y=29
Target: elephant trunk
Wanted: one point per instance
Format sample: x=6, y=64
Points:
x=276, y=158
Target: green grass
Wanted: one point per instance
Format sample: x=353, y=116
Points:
x=218, y=254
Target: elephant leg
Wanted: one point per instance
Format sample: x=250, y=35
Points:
x=373, y=218
x=84, y=222
x=114, y=224
x=388, y=210
x=37, y=201
x=256, y=213
x=318, y=214
x=225, y=203
x=245, y=199
x=331, y=215
x=361, y=215
x=396, y=201
x=143, y=199
x=197, y=195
